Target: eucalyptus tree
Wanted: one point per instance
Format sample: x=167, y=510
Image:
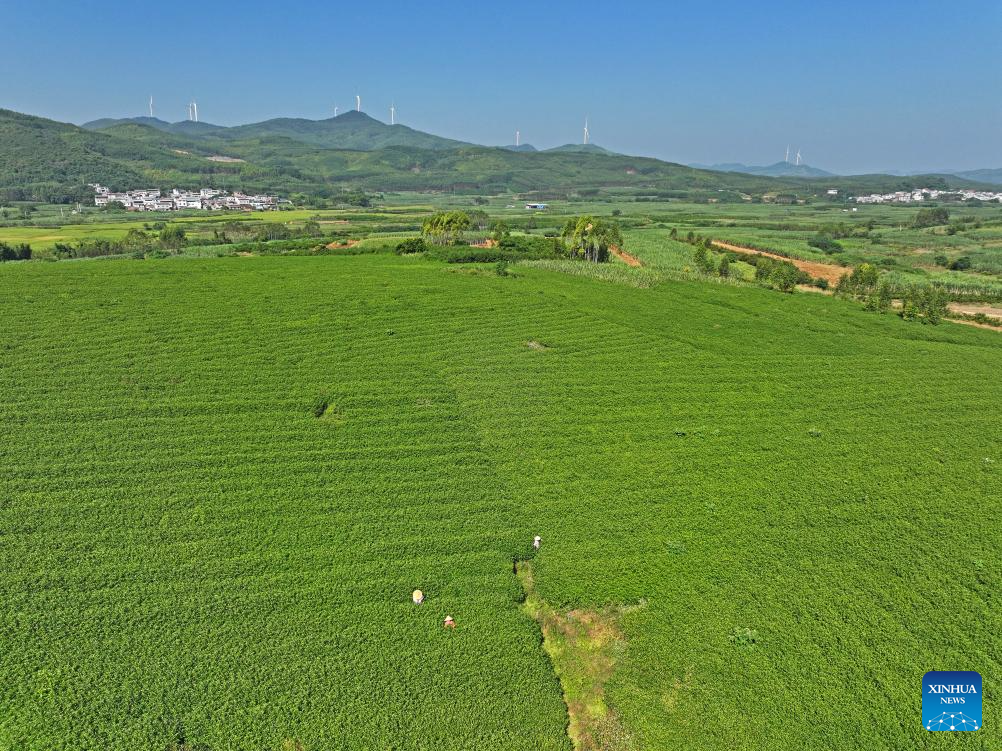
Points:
x=591, y=238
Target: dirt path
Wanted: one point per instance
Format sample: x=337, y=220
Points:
x=815, y=269
x=625, y=257
x=973, y=308
x=975, y=324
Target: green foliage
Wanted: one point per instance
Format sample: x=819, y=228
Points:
x=273, y=231
x=446, y=227
x=825, y=244
x=590, y=237
x=880, y=299
x=744, y=638
x=412, y=245
x=21, y=252
x=780, y=275
x=927, y=304
x=931, y=217
x=173, y=236
x=861, y=282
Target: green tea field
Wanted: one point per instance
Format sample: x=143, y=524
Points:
x=223, y=478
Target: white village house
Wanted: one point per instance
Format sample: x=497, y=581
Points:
x=178, y=200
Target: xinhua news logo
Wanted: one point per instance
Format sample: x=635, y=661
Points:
x=951, y=700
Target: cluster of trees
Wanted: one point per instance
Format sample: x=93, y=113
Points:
x=20, y=252
x=781, y=275
x=446, y=227
x=703, y=257
x=860, y=283
x=590, y=238
x=926, y=303
x=137, y=242
x=931, y=217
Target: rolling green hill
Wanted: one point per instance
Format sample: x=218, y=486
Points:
x=184, y=127
x=580, y=148
x=223, y=479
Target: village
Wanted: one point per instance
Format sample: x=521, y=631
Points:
x=181, y=200
x=927, y=194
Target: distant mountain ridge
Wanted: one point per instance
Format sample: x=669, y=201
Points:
x=992, y=176
x=350, y=130
x=779, y=169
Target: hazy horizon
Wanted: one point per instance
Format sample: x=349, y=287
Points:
x=901, y=87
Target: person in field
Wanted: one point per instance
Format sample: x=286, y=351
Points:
x=537, y=541
x=449, y=623
x=417, y=596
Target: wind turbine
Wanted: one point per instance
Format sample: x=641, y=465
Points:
x=587, y=133
x=518, y=138
x=151, y=105
x=798, y=157
x=787, y=159
x=335, y=110
x=194, y=106
x=393, y=114
x=358, y=103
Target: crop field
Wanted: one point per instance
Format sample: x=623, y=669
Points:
x=224, y=477
x=878, y=234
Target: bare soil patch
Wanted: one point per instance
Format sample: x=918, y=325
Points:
x=628, y=259
x=338, y=244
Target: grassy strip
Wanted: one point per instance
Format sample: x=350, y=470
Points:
x=584, y=647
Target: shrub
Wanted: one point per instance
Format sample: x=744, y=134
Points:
x=411, y=245
x=931, y=217
x=744, y=638
x=961, y=264
x=172, y=236
x=825, y=244
x=20, y=252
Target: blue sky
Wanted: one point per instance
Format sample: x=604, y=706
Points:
x=857, y=86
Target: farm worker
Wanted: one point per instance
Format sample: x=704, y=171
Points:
x=449, y=623
x=537, y=541
x=417, y=596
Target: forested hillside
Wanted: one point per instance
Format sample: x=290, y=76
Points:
x=45, y=160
